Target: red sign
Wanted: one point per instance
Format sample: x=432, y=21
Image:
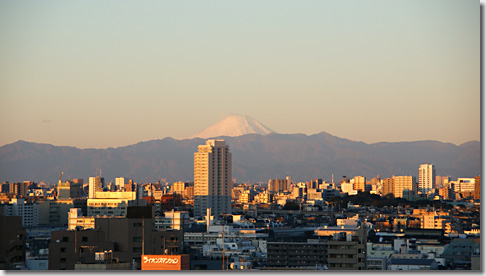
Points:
x=165, y=262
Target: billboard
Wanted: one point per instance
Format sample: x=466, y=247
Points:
x=165, y=262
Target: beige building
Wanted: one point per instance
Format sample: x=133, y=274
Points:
x=246, y=197
x=401, y=183
x=110, y=207
x=264, y=197
x=359, y=183
x=212, y=178
x=76, y=220
x=178, y=187
x=278, y=185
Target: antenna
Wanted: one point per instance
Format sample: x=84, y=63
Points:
x=60, y=176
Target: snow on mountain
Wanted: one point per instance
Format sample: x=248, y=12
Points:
x=232, y=126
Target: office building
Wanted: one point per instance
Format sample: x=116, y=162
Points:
x=212, y=178
x=426, y=178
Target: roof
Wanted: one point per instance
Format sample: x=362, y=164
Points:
x=395, y=261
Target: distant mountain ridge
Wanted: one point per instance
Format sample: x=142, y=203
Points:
x=256, y=158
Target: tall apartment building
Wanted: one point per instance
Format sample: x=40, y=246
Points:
x=426, y=178
x=95, y=185
x=212, y=178
x=401, y=183
x=477, y=187
x=359, y=183
x=388, y=186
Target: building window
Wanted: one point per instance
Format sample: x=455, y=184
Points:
x=63, y=249
x=137, y=250
x=65, y=239
x=137, y=239
x=63, y=260
x=85, y=239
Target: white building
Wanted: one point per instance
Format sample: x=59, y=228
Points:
x=348, y=188
x=212, y=178
x=28, y=212
x=176, y=220
x=120, y=183
x=426, y=181
x=463, y=185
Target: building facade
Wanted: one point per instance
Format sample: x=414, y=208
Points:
x=402, y=183
x=95, y=185
x=212, y=178
x=426, y=178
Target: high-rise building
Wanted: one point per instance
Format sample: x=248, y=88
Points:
x=95, y=185
x=212, y=178
x=426, y=178
x=388, y=187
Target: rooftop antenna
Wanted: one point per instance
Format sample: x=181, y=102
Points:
x=60, y=177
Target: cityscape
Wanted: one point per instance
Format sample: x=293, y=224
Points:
x=403, y=222
x=240, y=136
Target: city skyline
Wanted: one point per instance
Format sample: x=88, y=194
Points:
x=114, y=74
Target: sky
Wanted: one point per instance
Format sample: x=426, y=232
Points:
x=97, y=74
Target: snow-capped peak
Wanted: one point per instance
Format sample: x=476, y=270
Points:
x=235, y=125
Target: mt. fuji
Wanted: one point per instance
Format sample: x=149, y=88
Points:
x=235, y=125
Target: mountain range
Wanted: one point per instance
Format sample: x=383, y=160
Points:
x=256, y=158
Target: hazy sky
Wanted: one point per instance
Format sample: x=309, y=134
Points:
x=113, y=73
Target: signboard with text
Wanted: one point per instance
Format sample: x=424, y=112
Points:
x=165, y=262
